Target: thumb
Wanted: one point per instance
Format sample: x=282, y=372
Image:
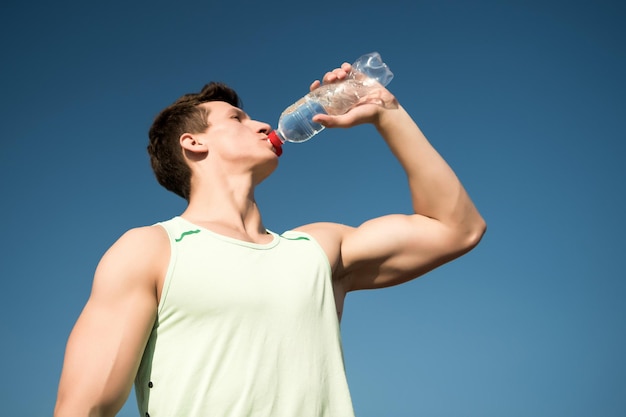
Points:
x=326, y=120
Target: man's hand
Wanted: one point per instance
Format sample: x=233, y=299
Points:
x=367, y=110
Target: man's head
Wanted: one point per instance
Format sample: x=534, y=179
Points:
x=185, y=115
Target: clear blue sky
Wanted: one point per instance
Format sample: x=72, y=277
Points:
x=526, y=100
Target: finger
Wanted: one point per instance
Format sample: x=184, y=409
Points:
x=337, y=73
x=314, y=85
x=329, y=77
x=340, y=74
x=323, y=119
x=326, y=120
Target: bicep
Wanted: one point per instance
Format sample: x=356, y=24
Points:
x=394, y=249
x=102, y=354
x=106, y=344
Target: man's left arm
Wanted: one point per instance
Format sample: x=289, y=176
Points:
x=396, y=248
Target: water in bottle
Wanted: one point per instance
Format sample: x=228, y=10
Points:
x=296, y=124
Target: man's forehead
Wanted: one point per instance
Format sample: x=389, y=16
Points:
x=219, y=106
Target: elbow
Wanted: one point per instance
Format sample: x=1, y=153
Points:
x=474, y=233
x=468, y=236
x=72, y=409
x=63, y=409
x=66, y=409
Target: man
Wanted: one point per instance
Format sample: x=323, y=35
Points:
x=212, y=314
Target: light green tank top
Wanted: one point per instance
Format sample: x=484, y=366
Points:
x=244, y=330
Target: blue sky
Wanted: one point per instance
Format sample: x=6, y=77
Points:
x=526, y=101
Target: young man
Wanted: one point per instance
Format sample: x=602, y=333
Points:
x=210, y=313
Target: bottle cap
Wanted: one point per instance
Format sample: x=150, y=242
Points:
x=276, y=142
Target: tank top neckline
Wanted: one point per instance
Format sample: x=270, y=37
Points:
x=262, y=246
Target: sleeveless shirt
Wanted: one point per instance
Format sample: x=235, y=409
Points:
x=244, y=330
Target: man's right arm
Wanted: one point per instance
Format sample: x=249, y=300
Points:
x=106, y=345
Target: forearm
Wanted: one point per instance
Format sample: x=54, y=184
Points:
x=436, y=192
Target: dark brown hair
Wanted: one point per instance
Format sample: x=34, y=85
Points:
x=183, y=116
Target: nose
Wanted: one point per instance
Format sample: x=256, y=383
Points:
x=263, y=127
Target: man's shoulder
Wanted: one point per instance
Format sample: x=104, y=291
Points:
x=144, y=233
x=329, y=236
x=145, y=240
x=324, y=230
x=134, y=261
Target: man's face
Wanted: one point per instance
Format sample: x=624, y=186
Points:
x=233, y=136
x=226, y=121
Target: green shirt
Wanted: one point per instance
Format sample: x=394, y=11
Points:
x=244, y=330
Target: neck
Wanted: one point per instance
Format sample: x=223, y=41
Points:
x=227, y=206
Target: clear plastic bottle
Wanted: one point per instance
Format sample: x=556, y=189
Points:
x=296, y=124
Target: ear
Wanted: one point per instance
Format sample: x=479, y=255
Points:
x=193, y=142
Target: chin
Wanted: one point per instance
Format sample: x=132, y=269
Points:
x=265, y=170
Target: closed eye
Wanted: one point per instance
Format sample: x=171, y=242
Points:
x=238, y=115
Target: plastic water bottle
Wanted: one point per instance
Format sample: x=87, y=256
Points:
x=296, y=124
